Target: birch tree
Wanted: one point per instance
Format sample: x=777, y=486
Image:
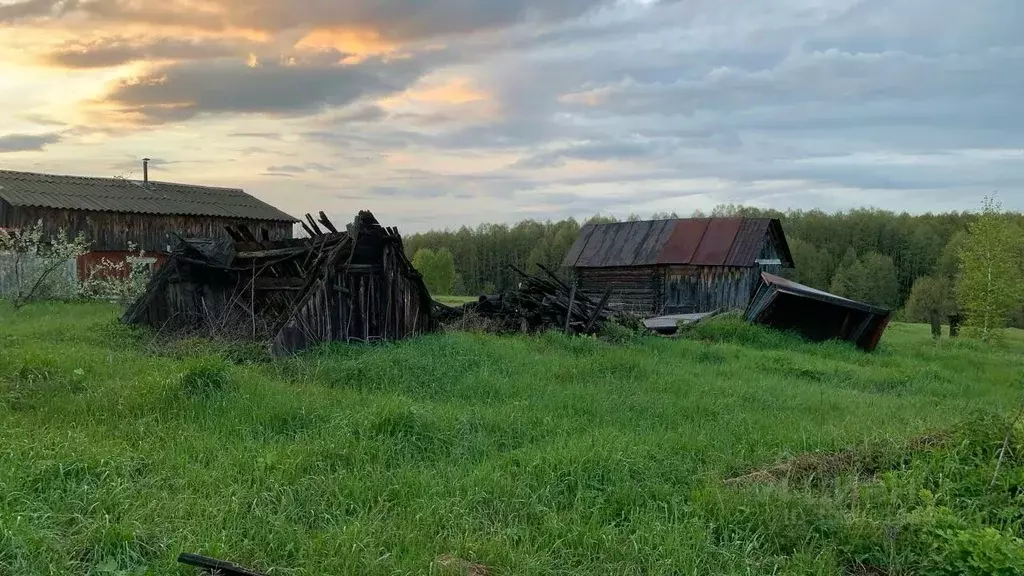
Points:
x=988, y=284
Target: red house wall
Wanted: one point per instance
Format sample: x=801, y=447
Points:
x=90, y=260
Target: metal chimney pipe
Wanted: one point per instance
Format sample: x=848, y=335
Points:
x=145, y=170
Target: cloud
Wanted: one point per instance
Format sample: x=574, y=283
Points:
x=368, y=113
x=559, y=108
x=401, y=19
x=27, y=142
x=287, y=169
x=13, y=11
x=182, y=91
x=303, y=169
x=108, y=52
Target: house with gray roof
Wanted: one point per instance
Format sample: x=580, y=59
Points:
x=116, y=213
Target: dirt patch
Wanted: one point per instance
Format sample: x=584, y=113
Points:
x=813, y=467
x=454, y=566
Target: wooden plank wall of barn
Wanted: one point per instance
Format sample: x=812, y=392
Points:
x=634, y=289
x=113, y=230
x=691, y=289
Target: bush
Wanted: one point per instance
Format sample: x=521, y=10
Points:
x=121, y=282
x=981, y=551
x=620, y=332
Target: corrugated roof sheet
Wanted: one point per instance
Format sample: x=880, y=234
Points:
x=119, y=195
x=696, y=241
x=749, y=241
x=717, y=242
x=684, y=240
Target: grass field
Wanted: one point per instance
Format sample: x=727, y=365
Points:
x=524, y=455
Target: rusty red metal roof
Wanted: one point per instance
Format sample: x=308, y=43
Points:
x=682, y=241
x=749, y=241
x=717, y=242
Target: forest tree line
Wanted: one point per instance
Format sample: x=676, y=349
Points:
x=894, y=260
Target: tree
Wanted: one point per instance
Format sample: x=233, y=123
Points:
x=844, y=279
x=437, y=268
x=918, y=245
x=33, y=267
x=813, y=266
x=930, y=301
x=988, y=284
x=871, y=279
x=949, y=262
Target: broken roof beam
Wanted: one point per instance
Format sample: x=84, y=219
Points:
x=327, y=222
x=312, y=225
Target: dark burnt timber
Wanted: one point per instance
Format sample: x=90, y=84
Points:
x=214, y=566
x=817, y=315
x=354, y=285
x=540, y=302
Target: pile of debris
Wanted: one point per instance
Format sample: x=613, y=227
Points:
x=540, y=302
x=351, y=285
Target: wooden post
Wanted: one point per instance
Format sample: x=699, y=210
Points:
x=597, y=311
x=568, y=312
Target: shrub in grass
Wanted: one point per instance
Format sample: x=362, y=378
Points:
x=619, y=333
x=205, y=377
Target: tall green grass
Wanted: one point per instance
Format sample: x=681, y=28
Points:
x=529, y=455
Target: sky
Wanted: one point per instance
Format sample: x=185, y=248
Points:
x=442, y=113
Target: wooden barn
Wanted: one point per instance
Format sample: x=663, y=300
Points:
x=115, y=213
x=678, y=266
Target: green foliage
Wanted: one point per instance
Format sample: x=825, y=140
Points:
x=538, y=454
x=872, y=278
x=931, y=295
x=438, y=269
x=948, y=266
x=918, y=245
x=814, y=266
x=990, y=281
x=978, y=551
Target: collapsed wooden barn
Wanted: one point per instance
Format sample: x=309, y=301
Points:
x=351, y=285
x=678, y=266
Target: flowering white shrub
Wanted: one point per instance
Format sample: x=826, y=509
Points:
x=121, y=281
x=33, y=267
